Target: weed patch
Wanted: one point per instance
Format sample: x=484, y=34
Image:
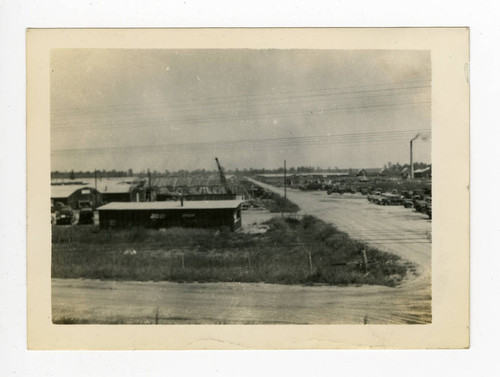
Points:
x=292, y=252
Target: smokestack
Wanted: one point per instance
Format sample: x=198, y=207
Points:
x=411, y=154
x=411, y=157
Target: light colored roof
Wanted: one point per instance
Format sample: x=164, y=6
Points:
x=331, y=174
x=114, y=187
x=422, y=170
x=289, y=174
x=63, y=191
x=104, y=185
x=194, y=204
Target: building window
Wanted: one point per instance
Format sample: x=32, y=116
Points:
x=156, y=216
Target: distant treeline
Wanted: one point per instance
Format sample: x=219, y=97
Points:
x=89, y=174
x=389, y=168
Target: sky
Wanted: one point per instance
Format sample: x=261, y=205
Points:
x=179, y=109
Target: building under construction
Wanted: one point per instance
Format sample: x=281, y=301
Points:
x=198, y=187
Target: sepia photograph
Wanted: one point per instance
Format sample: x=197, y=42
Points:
x=194, y=184
x=241, y=186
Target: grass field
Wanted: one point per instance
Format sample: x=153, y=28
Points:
x=293, y=251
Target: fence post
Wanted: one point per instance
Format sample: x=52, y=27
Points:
x=157, y=314
x=310, y=262
x=365, y=260
x=182, y=257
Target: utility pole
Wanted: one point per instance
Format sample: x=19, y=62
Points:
x=95, y=186
x=284, y=177
x=148, y=190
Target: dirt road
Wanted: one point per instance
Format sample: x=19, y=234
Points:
x=95, y=301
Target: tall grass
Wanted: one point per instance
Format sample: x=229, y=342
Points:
x=276, y=203
x=291, y=252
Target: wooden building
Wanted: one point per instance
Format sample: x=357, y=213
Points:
x=192, y=214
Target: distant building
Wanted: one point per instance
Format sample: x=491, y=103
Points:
x=300, y=178
x=110, y=189
x=361, y=174
x=117, y=190
x=423, y=173
x=75, y=196
x=192, y=214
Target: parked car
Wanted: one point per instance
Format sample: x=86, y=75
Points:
x=351, y=190
x=421, y=205
x=428, y=210
x=382, y=200
x=313, y=186
x=392, y=199
x=64, y=216
x=365, y=191
x=340, y=189
x=331, y=190
x=406, y=194
x=246, y=205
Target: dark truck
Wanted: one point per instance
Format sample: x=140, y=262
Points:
x=341, y=189
x=392, y=199
x=421, y=205
x=410, y=202
x=86, y=213
x=387, y=199
x=428, y=210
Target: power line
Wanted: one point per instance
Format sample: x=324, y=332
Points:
x=227, y=146
x=201, y=110
x=289, y=141
x=135, y=124
x=265, y=95
x=204, y=151
x=58, y=121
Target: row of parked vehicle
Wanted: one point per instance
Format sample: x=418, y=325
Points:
x=409, y=199
x=64, y=215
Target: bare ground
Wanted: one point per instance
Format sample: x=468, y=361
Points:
x=95, y=301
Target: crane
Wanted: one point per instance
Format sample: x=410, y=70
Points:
x=223, y=179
